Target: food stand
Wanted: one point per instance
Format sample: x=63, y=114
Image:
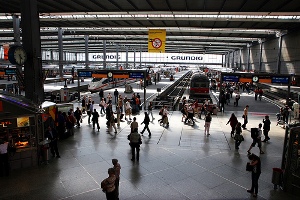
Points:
x=21, y=124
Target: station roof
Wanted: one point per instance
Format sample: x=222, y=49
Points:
x=192, y=26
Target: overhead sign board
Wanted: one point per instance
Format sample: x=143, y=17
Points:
x=10, y=71
x=231, y=78
x=136, y=75
x=85, y=74
x=280, y=79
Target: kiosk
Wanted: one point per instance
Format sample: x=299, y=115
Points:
x=21, y=124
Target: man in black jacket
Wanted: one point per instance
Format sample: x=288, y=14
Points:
x=146, y=122
x=52, y=135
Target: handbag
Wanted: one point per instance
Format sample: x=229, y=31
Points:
x=140, y=140
x=249, y=167
x=238, y=137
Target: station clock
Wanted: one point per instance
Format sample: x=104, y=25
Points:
x=17, y=55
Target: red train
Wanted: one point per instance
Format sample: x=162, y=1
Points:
x=199, y=86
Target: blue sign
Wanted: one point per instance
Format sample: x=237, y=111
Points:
x=84, y=73
x=10, y=71
x=136, y=75
x=231, y=78
x=280, y=79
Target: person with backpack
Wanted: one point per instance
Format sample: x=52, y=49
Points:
x=238, y=137
x=256, y=134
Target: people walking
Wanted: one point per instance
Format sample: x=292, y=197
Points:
x=117, y=168
x=146, y=121
x=128, y=109
x=150, y=108
x=255, y=173
x=266, y=128
x=113, y=122
x=245, y=116
x=134, y=125
x=90, y=111
x=116, y=95
x=108, y=185
x=207, y=120
x=78, y=116
x=233, y=122
x=135, y=142
x=190, y=114
x=95, y=119
x=52, y=135
x=101, y=93
x=256, y=136
x=238, y=137
x=102, y=105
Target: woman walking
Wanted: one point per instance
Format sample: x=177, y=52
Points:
x=207, y=123
x=256, y=171
x=238, y=136
x=233, y=122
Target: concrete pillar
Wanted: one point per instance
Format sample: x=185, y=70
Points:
x=86, y=39
x=279, y=54
x=60, y=52
x=248, y=59
x=104, y=54
x=33, y=76
x=117, y=55
x=260, y=56
x=133, y=57
x=126, y=57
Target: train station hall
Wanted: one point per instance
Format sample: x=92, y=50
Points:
x=149, y=99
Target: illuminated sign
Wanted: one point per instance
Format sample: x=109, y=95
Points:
x=8, y=123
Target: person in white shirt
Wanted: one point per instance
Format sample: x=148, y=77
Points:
x=257, y=139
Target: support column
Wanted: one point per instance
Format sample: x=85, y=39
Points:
x=240, y=59
x=141, y=56
x=16, y=26
x=86, y=39
x=260, y=55
x=126, y=57
x=33, y=76
x=248, y=59
x=60, y=53
x=104, y=54
x=279, y=54
x=117, y=56
x=133, y=57
x=223, y=60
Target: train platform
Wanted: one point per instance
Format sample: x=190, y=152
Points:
x=178, y=162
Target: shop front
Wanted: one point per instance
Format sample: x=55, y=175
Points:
x=21, y=126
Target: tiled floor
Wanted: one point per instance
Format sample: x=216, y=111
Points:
x=179, y=162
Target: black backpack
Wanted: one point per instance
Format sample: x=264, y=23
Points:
x=254, y=133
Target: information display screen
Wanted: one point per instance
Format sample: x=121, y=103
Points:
x=280, y=79
x=10, y=71
x=231, y=78
x=84, y=73
x=136, y=75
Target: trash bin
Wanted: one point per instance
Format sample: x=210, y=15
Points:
x=276, y=177
x=44, y=149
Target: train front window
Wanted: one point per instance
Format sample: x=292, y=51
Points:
x=96, y=79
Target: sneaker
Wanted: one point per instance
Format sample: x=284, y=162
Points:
x=249, y=191
x=262, y=152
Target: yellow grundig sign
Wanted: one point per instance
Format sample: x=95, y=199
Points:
x=156, y=40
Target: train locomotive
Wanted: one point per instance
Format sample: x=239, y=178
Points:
x=199, y=86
